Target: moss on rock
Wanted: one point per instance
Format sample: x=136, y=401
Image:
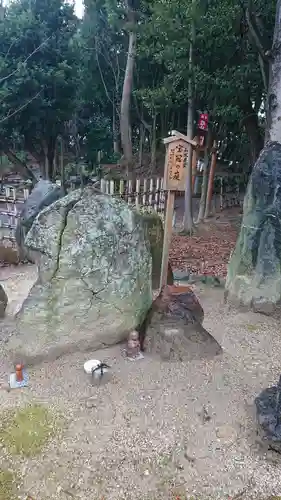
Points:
x=155, y=234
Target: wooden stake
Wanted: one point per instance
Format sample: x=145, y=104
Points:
x=167, y=237
x=194, y=169
x=211, y=181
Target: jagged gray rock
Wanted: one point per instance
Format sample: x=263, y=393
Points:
x=94, y=282
x=43, y=194
x=254, y=271
x=3, y=301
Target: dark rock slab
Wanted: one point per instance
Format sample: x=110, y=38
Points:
x=268, y=406
x=175, y=331
x=254, y=271
x=43, y=195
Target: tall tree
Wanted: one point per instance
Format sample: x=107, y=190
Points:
x=38, y=76
x=188, y=216
x=125, y=124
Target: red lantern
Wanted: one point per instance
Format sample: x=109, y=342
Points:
x=203, y=121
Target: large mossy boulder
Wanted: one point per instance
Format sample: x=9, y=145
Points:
x=155, y=234
x=94, y=282
x=254, y=271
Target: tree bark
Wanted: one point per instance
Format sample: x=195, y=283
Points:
x=273, y=128
x=126, y=101
x=188, y=216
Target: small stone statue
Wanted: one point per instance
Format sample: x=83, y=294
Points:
x=133, y=345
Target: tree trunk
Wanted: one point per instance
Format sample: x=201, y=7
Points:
x=22, y=167
x=211, y=182
x=153, y=145
x=188, y=216
x=141, y=142
x=116, y=148
x=204, y=187
x=273, y=129
x=253, y=131
x=126, y=101
x=62, y=169
x=49, y=153
x=259, y=40
x=51, y=157
x=251, y=124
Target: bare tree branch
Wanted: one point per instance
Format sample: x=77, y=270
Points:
x=111, y=100
x=28, y=57
x=9, y=115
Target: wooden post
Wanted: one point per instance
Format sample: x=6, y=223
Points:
x=175, y=173
x=211, y=181
x=167, y=237
x=194, y=168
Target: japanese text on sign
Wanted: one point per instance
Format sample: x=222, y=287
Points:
x=176, y=162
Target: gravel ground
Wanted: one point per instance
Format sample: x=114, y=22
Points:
x=155, y=430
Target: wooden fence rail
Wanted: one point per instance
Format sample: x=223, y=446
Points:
x=148, y=193
x=142, y=193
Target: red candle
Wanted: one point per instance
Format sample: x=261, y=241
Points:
x=19, y=374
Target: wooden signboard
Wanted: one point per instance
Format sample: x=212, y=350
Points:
x=175, y=175
x=175, y=165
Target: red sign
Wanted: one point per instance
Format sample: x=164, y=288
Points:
x=203, y=121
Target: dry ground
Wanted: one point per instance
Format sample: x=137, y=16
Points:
x=208, y=250
x=155, y=430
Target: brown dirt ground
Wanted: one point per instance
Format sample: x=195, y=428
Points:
x=208, y=250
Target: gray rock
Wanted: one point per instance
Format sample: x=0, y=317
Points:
x=254, y=271
x=263, y=306
x=181, y=275
x=43, y=194
x=94, y=282
x=3, y=301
